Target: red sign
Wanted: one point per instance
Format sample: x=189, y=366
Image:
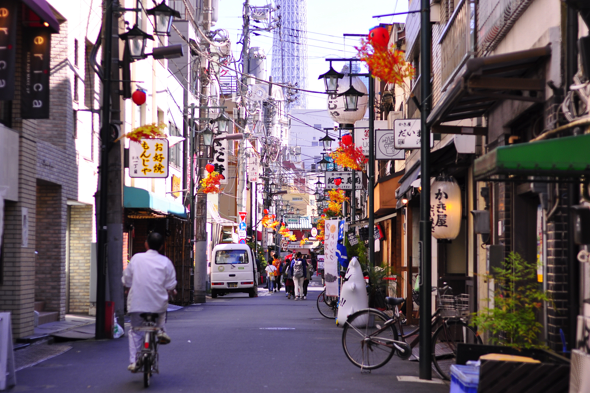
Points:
x=242, y=216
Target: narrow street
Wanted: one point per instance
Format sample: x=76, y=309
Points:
x=230, y=344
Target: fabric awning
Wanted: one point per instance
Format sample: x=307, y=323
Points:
x=487, y=80
x=138, y=198
x=407, y=179
x=43, y=11
x=563, y=157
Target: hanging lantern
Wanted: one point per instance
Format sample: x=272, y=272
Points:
x=209, y=168
x=265, y=211
x=139, y=97
x=445, y=208
x=347, y=140
x=338, y=181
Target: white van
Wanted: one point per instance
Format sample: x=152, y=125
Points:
x=233, y=269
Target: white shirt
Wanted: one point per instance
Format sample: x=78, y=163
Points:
x=270, y=270
x=150, y=276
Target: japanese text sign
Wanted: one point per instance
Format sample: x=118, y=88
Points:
x=346, y=180
x=408, y=134
x=148, y=158
x=220, y=155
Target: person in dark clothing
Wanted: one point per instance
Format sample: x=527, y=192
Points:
x=288, y=277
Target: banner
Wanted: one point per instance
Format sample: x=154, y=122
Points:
x=220, y=155
x=148, y=158
x=35, y=73
x=330, y=257
x=7, y=48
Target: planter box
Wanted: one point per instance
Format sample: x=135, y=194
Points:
x=551, y=375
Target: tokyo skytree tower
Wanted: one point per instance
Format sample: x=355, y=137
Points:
x=289, y=50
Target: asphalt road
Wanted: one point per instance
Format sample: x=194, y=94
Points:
x=230, y=344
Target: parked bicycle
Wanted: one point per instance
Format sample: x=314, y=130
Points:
x=148, y=355
x=371, y=337
x=327, y=305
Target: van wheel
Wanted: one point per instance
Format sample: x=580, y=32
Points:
x=214, y=294
x=252, y=292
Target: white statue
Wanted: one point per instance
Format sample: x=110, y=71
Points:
x=353, y=295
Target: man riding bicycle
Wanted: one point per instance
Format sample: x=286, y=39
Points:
x=151, y=278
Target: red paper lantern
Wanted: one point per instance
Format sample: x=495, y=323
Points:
x=337, y=181
x=347, y=140
x=265, y=211
x=325, y=210
x=138, y=97
x=379, y=37
x=209, y=168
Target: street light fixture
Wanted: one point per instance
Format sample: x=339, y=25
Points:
x=207, y=136
x=331, y=80
x=223, y=122
x=327, y=141
x=136, y=40
x=273, y=187
x=163, y=16
x=323, y=163
x=351, y=98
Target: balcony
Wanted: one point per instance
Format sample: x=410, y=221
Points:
x=457, y=41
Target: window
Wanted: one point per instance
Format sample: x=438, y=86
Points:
x=76, y=52
x=314, y=143
x=231, y=257
x=6, y=113
x=318, y=127
x=176, y=150
x=75, y=87
x=75, y=120
x=88, y=78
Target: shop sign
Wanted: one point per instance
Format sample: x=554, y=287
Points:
x=385, y=146
x=35, y=72
x=175, y=186
x=8, y=9
x=220, y=154
x=148, y=158
x=346, y=180
x=408, y=134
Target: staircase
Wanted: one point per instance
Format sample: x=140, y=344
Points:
x=45, y=316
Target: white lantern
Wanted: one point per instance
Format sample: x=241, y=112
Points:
x=445, y=208
x=336, y=104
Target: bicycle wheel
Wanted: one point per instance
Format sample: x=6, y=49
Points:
x=147, y=371
x=327, y=305
x=367, y=342
x=444, y=344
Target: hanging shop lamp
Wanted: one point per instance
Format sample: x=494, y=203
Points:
x=331, y=80
x=445, y=208
x=136, y=39
x=163, y=17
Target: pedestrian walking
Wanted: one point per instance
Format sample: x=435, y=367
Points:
x=288, y=278
x=151, y=279
x=307, y=277
x=299, y=271
x=270, y=273
x=277, y=263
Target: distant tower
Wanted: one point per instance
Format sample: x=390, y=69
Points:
x=289, y=49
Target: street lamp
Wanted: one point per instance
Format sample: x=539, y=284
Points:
x=163, y=16
x=331, y=80
x=207, y=136
x=136, y=40
x=327, y=141
x=273, y=187
x=351, y=98
x=223, y=122
x=323, y=163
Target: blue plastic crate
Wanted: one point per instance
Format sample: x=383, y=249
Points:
x=464, y=379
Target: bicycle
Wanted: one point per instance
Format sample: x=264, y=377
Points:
x=327, y=305
x=148, y=355
x=370, y=337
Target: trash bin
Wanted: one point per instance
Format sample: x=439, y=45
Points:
x=464, y=379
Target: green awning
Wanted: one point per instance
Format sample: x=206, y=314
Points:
x=564, y=157
x=138, y=198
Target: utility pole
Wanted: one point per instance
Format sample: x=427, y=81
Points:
x=200, y=216
x=242, y=119
x=109, y=207
x=425, y=224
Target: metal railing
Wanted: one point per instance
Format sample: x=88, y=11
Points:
x=457, y=41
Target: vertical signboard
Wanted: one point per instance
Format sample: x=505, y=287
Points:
x=242, y=228
x=330, y=257
x=35, y=73
x=220, y=154
x=7, y=48
x=148, y=158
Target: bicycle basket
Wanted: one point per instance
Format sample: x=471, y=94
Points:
x=447, y=305
x=462, y=304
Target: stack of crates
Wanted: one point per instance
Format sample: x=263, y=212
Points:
x=464, y=379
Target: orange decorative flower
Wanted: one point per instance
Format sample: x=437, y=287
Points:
x=292, y=238
x=385, y=63
x=349, y=156
x=147, y=131
x=283, y=231
x=210, y=184
x=303, y=241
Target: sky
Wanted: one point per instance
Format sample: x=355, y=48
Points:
x=327, y=21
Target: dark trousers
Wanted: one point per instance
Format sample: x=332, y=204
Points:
x=278, y=283
x=305, y=284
